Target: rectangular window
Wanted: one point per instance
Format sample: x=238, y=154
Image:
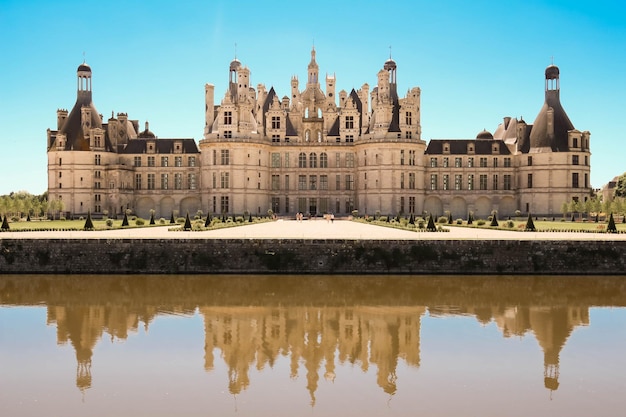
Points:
x=151, y=161
x=286, y=204
x=433, y=181
x=411, y=204
x=312, y=182
x=137, y=161
x=214, y=204
x=286, y=160
x=191, y=161
x=586, y=180
x=411, y=180
x=470, y=182
x=287, y=183
x=164, y=181
x=349, y=122
x=323, y=160
x=97, y=159
x=446, y=162
x=457, y=162
x=191, y=181
x=495, y=182
x=433, y=162
x=275, y=160
x=483, y=162
x=409, y=118
x=150, y=181
x=178, y=181
x=338, y=182
x=574, y=159
x=402, y=157
x=178, y=161
x=275, y=182
x=401, y=204
x=214, y=157
x=458, y=182
x=483, y=182
x=302, y=205
x=301, y=182
x=507, y=182
x=276, y=204
x=530, y=180
x=349, y=182
x=275, y=122
x=323, y=182
x=530, y=161
x=402, y=180
x=164, y=161
x=275, y=138
x=470, y=162
x=349, y=138
x=228, y=117
x=338, y=160
x=507, y=162
x=349, y=160
x=495, y=162
x=574, y=179
x=224, y=180
x=225, y=157
x=224, y=206
x=446, y=182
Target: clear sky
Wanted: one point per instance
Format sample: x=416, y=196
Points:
x=475, y=61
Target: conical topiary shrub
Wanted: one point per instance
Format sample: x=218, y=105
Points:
x=470, y=218
x=172, y=220
x=207, y=223
x=530, y=225
x=187, y=225
x=152, y=217
x=5, y=223
x=450, y=218
x=411, y=219
x=611, y=228
x=125, y=221
x=249, y=218
x=389, y=218
x=28, y=217
x=431, y=224
x=494, y=219
x=88, y=222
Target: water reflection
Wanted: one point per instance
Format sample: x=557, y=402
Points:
x=317, y=322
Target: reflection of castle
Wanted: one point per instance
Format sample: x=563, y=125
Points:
x=320, y=321
x=312, y=336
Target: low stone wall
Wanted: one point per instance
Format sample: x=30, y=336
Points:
x=311, y=256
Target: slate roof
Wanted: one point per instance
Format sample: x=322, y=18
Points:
x=459, y=147
x=165, y=146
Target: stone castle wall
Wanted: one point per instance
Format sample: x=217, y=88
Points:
x=311, y=256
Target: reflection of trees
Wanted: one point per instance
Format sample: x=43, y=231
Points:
x=318, y=322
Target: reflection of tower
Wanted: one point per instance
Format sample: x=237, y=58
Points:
x=552, y=326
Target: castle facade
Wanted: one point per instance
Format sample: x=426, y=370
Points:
x=315, y=151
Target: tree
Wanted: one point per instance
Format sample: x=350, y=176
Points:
x=564, y=208
x=494, y=219
x=431, y=224
x=611, y=228
x=88, y=222
x=530, y=225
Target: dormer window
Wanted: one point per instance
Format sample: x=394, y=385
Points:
x=446, y=148
x=470, y=148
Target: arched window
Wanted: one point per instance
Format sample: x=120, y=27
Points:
x=323, y=160
x=302, y=160
x=313, y=160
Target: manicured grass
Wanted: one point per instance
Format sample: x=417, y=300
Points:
x=72, y=224
x=552, y=226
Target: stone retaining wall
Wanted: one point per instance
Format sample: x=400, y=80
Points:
x=311, y=256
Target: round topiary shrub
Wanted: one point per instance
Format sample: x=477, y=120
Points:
x=109, y=223
x=139, y=221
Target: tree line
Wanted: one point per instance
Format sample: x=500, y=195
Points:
x=22, y=204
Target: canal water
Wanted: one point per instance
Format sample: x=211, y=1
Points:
x=266, y=345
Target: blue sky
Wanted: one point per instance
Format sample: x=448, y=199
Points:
x=475, y=61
